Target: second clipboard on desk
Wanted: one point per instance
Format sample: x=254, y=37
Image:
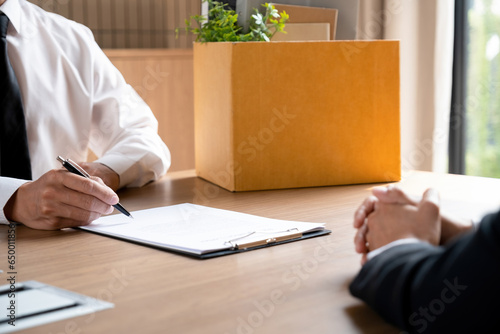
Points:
x=204, y=232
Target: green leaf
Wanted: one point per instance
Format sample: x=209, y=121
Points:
x=223, y=25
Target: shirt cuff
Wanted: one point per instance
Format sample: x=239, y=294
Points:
x=123, y=166
x=395, y=243
x=475, y=224
x=138, y=170
x=8, y=186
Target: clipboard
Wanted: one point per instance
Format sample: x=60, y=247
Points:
x=241, y=247
x=203, y=232
x=245, y=247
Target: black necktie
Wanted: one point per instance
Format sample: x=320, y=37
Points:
x=14, y=154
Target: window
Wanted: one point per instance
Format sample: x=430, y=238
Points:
x=475, y=114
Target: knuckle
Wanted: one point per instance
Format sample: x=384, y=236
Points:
x=48, y=194
x=358, y=214
x=56, y=175
x=359, y=237
x=53, y=223
x=97, y=179
x=47, y=211
x=371, y=203
x=88, y=185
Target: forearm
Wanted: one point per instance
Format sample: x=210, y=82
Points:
x=384, y=284
x=130, y=144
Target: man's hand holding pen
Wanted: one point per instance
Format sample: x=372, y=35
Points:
x=60, y=199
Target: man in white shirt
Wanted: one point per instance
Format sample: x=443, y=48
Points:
x=73, y=99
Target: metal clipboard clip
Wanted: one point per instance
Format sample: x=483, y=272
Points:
x=267, y=241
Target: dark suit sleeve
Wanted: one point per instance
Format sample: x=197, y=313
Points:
x=426, y=289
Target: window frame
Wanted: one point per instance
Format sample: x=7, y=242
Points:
x=457, y=133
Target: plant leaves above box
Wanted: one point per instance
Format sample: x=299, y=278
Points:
x=221, y=25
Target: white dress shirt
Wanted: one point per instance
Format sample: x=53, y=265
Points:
x=390, y=245
x=75, y=99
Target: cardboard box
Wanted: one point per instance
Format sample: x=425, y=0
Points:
x=304, y=14
x=297, y=114
x=347, y=22
x=304, y=32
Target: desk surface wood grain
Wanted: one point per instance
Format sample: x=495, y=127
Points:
x=300, y=287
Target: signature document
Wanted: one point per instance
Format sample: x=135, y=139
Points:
x=197, y=230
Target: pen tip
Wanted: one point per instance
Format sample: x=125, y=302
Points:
x=130, y=216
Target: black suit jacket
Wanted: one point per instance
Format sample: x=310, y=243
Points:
x=426, y=289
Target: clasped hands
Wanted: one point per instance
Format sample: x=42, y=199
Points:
x=390, y=214
x=60, y=199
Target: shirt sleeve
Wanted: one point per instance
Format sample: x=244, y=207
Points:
x=124, y=132
x=395, y=243
x=475, y=224
x=8, y=186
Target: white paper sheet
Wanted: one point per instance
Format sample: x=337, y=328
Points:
x=196, y=229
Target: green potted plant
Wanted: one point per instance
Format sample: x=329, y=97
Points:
x=221, y=25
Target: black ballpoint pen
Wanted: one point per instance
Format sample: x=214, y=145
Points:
x=73, y=167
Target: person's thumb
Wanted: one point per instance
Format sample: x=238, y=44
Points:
x=429, y=205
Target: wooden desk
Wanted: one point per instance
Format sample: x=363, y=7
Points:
x=301, y=287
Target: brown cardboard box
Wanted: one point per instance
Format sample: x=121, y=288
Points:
x=304, y=32
x=305, y=14
x=297, y=114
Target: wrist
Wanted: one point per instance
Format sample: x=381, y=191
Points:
x=392, y=239
x=110, y=177
x=105, y=173
x=12, y=209
x=452, y=228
